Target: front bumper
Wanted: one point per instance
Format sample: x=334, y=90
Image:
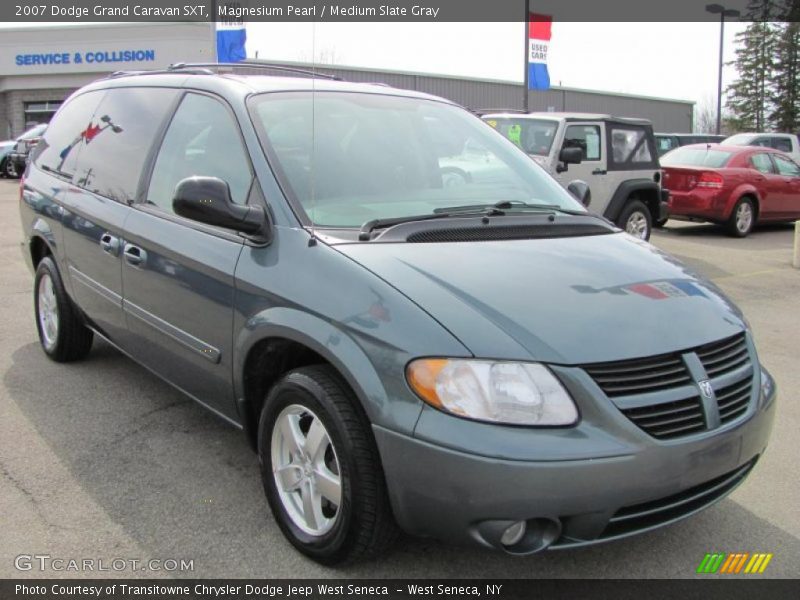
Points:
x=461, y=497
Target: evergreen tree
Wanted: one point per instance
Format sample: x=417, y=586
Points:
x=750, y=97
x=785, y=79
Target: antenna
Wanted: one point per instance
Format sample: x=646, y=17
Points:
x=313, y=239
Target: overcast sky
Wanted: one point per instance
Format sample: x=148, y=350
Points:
x=672, y=60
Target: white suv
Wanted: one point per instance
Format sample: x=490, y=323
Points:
x=618, y=160
x=785, y=142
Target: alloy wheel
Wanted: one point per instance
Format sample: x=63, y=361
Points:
x=636, y=225
x=744, y=217
x=306, y=470
x=48, y=311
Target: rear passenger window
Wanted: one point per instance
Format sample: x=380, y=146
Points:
x=119, y=139
x=762, y=163
x=629, y=149
x=67, y=134
x=202, y=139
x=585, y=137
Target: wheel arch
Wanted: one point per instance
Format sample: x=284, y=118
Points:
x=745, y=191
x=645, y=190
x=281, y=339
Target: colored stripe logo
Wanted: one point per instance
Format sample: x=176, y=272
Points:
x=734, y=563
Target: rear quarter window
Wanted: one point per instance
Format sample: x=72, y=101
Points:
x=66, y=135
x=119, y=139
x=630, y=148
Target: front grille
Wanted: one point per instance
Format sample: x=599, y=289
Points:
x=734, y=399
x=724, y=356
x=669, y=419
x=651, y=514
x=640, y=376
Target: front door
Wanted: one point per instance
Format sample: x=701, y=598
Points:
x=590, y=138
x=178, y=274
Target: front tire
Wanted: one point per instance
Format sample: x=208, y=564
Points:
x=635, y=219
x=62, y=333
x=742, y=219
x=9, y=169
x=321, y=470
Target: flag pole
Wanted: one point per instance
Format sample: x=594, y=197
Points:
x=525, y=64
x=213, y=16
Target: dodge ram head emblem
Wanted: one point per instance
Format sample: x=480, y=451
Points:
x=706, y=389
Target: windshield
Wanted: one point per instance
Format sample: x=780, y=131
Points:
x=695, y=157
x=534, y=136
x=741, y=139
x=374, y=156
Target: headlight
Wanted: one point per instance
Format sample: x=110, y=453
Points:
x=503, y=392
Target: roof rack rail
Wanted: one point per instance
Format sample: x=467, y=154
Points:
x=257, y=65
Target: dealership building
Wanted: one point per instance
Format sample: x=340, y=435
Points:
x=41, y=66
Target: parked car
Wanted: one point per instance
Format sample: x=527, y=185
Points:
x=732, y=185
x=486, y=363
x=18, y=157
x=784, y=142
x=617, y=158
x=669, y=141
x=5, y=148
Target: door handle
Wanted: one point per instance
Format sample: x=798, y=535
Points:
x=134, y=255
x=109, y=244
x=599, y=172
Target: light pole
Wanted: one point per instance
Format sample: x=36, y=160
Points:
x=722, y=12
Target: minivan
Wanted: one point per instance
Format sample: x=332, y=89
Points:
x=478, y=360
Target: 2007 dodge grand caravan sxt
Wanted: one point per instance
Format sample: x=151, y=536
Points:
x=416, y=326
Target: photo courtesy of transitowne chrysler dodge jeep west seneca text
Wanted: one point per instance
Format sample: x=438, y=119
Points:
x=476, y=359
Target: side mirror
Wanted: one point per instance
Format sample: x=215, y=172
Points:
x=568, y=156
x=208, y=200
x=580, y=190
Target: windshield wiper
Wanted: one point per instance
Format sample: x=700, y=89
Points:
x=507, y=205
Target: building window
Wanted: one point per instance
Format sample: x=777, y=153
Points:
x=40, y=112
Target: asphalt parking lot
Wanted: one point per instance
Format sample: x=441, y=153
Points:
x=100, y=459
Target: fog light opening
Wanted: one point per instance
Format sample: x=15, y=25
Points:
x=513, y=534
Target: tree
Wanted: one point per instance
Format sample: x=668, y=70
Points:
x=750, y=96
x=785, y=80
x=705, y=115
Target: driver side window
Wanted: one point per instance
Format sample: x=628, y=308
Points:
x=202, y=139
x=585, y=137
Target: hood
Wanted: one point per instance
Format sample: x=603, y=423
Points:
x=574, y=300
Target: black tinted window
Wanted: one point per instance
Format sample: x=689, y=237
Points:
x=119, y=138
x=202, y=139
x=782, y=144
x=67, y=134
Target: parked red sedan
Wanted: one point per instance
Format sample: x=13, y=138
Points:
x=736, y=186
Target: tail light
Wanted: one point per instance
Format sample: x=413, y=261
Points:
x=709, y=179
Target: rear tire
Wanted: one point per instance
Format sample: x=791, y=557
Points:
x=304, y=480
x=635, y=219
x=742, y=219
x=62, y=333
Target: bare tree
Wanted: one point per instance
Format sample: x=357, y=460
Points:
x=705, y=115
